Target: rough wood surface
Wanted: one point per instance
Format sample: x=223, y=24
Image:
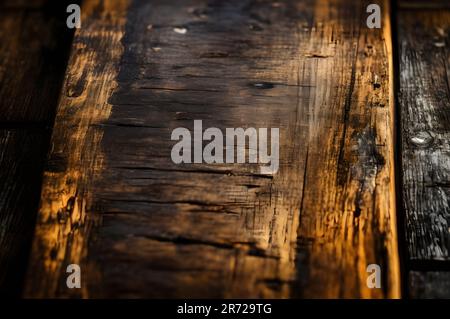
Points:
x=34, y=42
x=424, y=99
x=141, y=226
x=21, y=164
x=429, y=285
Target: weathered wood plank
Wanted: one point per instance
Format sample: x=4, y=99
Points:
x=348, y=207
x=429, y=285
x=63, y=225
x=140, y=225
x=34, y=43
x=424, y=99
x=21, y=164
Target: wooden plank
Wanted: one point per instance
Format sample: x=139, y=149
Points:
x=141, y=226
x=429, y=285
x=425, y=129
x=21, y=164
x=34, y=43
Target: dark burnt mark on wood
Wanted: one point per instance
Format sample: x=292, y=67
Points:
x=343, y=165
x=367, y=162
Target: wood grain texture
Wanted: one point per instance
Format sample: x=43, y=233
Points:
x=141, y=226
x=34, y=43
x=424, y=99
x=21, y=163
x=90, y=81
x=429, y=285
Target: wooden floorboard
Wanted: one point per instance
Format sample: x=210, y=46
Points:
x=34, y=45
x=140, y=225
x=21, y=165
x=424, y=99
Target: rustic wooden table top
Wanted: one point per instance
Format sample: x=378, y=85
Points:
x=364, y=163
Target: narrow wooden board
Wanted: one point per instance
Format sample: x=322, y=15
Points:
x=141, y=226
x=34, y=44
x=21, y=164
x=424, y=99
